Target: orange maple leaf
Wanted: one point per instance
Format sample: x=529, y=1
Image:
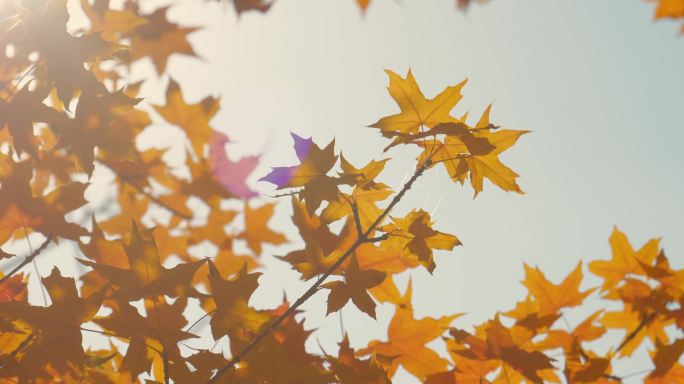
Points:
x=414, y=235
x=407, y=339
x=553, y=298
x=624, y=260
x=146, y=277
x=354, y=287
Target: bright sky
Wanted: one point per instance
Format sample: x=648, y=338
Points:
x=598, y=82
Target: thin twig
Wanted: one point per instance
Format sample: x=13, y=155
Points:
x=43, y=290
x=16, y=85
x=293, y=193
x=315, y=287
x=27, y=259
x=376, y=239
x=200, y=319
x=355, y=213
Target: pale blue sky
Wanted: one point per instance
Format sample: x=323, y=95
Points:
x=598, y=82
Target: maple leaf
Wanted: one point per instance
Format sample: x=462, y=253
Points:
x=45, y=30
x=637, y=327
x=387, y=292
x=111, y=23
x=101, y=250
x=624, y=260
x=13, y=289
x=192, y=118
x=474, y=153
x=204, y=184
x=365, y=195
x=203, y=364
x=146, y=276
x=414, y=235
x=133, y=207
x=363, y=4
x=156, y=333
x=252, y=5
x=583, y=367
x=354, y=287
x=321, y=244
x=466, y=370
x=229, y=302
x=311, y=173
x=670, y=9
x=158, y=38
x=384, y=257
x=671, y=280
x=499, y=344
x=551, y=297
x=526, y=313
x=19, y=209
x=256, y=230
x=146, y=166
x=666, y=357
x=231, y=175
x=19, y=114
x=57, y=340
x=489, y=165
x=365, y=201
x=272, y=363
x=91, y=127
x=350, y=370
x=407, y=339
x=587, y=330
x=417, y=112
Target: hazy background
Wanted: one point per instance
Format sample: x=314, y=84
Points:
x=598, y=82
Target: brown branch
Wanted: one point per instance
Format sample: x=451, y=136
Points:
x=644, y=322
x=23, y=344
x=293, y=193
x=376, y=239
x=315, y=287
x=16, y=85
x=355, y=213
x=27, y=259
x=200, y=319
x=165, y=357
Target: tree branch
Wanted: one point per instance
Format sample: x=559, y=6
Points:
x=27, y=259
x=644, y=322
x=165, y=357
x=315, y=287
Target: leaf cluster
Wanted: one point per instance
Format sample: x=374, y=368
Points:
x=71, y=120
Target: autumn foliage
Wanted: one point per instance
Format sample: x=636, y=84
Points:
x=70, y=118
